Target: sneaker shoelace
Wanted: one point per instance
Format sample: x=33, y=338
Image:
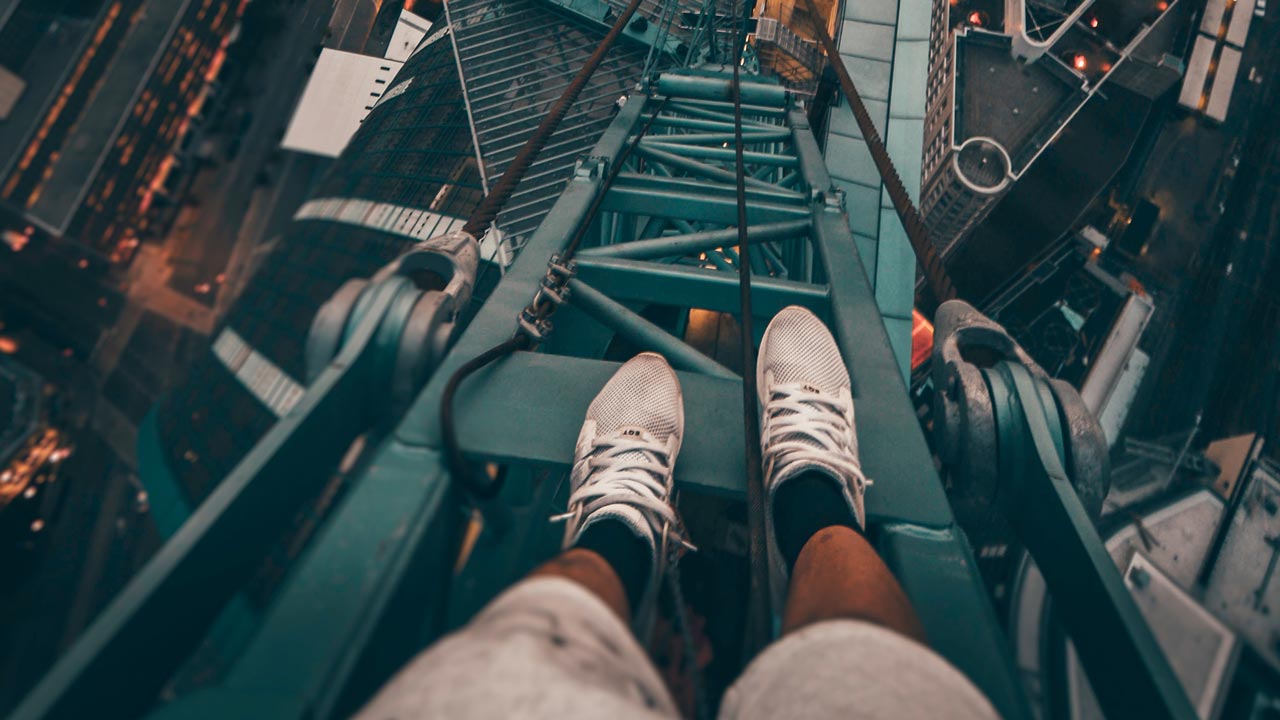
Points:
x=631, y=469
x=805, y=426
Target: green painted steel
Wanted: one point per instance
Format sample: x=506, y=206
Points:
x=641, y=332
x=123, y=658
x=641, y=282
x=674, y=245
x=718, y=87
x=1125, y=665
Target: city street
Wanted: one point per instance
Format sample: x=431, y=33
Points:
x=1211, y=339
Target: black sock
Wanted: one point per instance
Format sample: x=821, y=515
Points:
x=803, y=506
x=629, y=556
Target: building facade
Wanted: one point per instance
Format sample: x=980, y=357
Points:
x=1004, y=83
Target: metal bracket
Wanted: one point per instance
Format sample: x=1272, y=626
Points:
x=968, y=344
x=1022, y=447
x=431, y=283
x=590, y=168
x=553, y=291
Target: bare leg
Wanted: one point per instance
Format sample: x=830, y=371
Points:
x=590, y=570
x=839, y=575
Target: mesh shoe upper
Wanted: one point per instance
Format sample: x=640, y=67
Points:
x=624, y=460
x=807, y=420
x=644, y=393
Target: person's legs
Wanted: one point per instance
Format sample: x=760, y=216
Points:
x=840, y=576
x=852, y=644
x=557, y=644
x=835, y=573
x=592, y=571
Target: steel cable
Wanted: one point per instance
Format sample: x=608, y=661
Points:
x=493, y=203
x=937, y=280
x=459, y=468
x=758, y=622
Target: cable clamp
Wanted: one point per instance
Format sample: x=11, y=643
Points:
x=534, y=326
x=549, y=293
x=553, y=290
x=559, y=269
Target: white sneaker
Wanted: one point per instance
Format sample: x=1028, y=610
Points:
x=806, y=422
x=622, y=468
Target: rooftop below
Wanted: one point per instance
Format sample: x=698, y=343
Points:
x=1086, y=52
x=1120, y=21
x=1006, y=100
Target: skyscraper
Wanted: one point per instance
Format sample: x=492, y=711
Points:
x=1005, y=79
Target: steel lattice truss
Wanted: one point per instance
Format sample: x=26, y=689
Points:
x=664, y=239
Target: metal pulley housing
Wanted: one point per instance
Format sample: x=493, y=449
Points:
x=974, y=364
x=430, y=284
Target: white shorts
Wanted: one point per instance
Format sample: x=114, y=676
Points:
x=549, y=648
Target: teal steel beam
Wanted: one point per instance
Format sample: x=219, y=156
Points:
x=643, y=333
x=935, y=565
x=760, y=191
x=630, y=280
x=528, y=408
x=750, y=157
x=160, y=616
x=719, y=125
x=766, y=171
x=724, y=112
x=689, y=165
x=720, y=89
x=720, y=260
x=772, y=257
x=748, y=138
x=361, y=601
x=676, y=245
x=720, y=210
x=1126, y=668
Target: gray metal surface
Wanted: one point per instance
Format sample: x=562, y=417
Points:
x=1243, y=588
x=1170, y=543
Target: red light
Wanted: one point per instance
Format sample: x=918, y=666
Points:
x=921, y=339
x=1081, y=63
x=1093, y=22
x=15, y=241
x=975, y=18
x=1162, y=6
